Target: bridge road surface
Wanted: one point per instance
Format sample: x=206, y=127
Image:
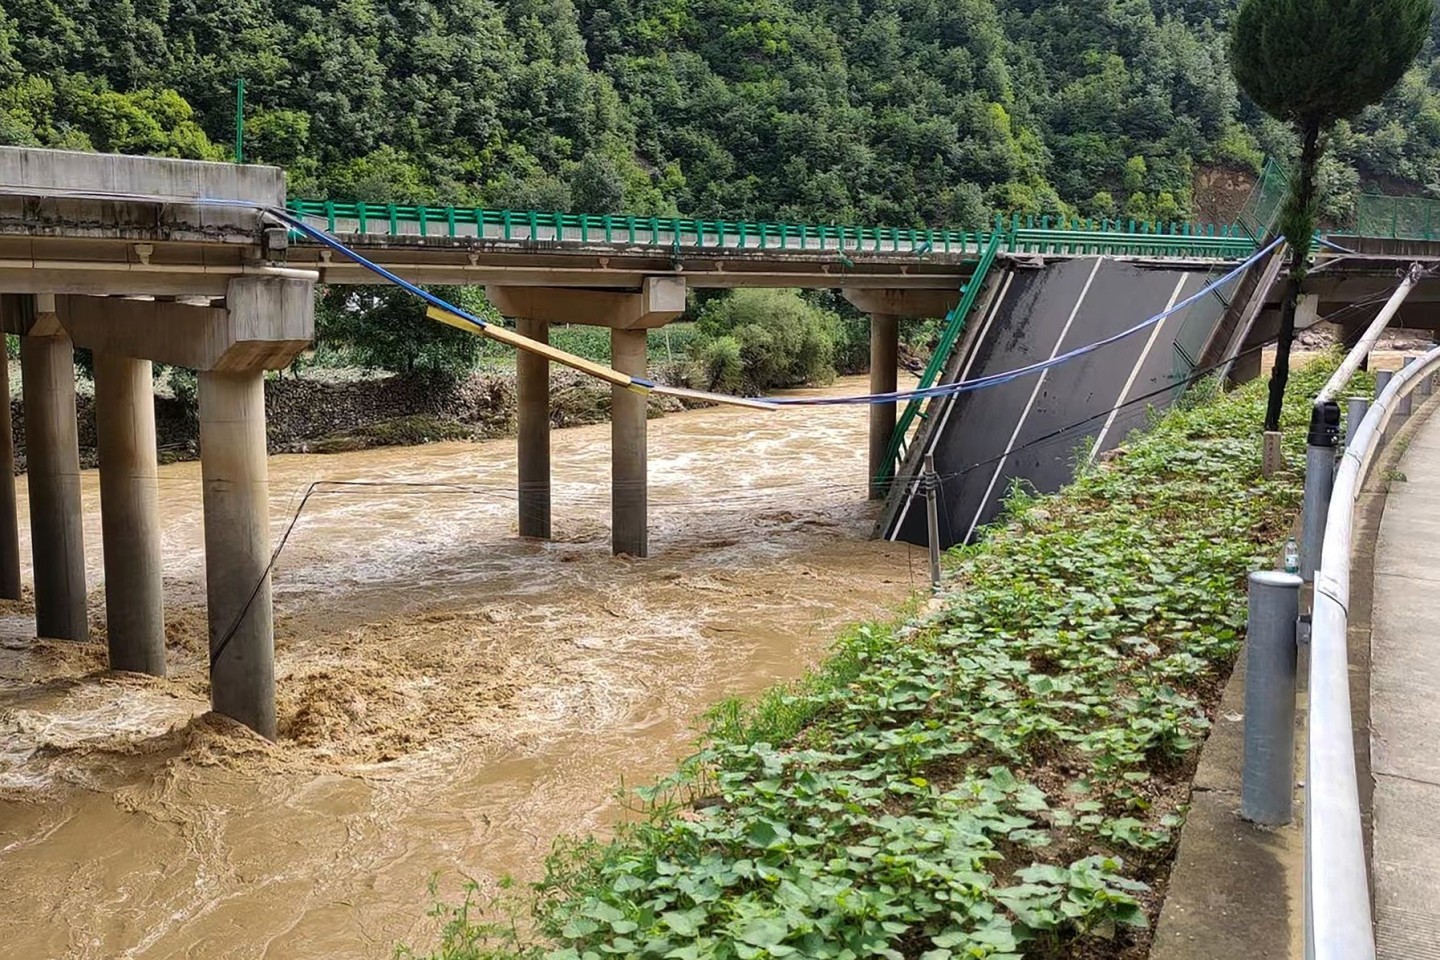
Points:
x=980, y=446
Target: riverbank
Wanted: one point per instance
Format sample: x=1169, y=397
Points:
x=1002, y=777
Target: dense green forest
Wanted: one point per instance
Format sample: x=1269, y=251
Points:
x=902, y=112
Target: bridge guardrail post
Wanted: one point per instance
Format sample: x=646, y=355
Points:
x=1355, y=412
x=1271, y=658
x=1404, y=406
x=1319, y=480
x=1382, y=380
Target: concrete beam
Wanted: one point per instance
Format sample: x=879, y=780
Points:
x=57, y=532
x=629, y=478
x=265, y=324
x=904, y=303
x=34, y=183
x=884, y=364
x=236, y=496
x=532, y=374
x=130, y=513
x=659, y=300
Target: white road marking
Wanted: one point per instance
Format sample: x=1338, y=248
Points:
x=1125, y=390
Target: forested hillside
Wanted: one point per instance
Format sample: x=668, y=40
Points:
x=892, y=111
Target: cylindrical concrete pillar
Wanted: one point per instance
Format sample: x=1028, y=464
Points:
x=533, y=426
x=130, y=513
x=1266, y=780
x=884, y=361
x=629, y=519
x=237, y=555
x=9, y=521
x=52, y=454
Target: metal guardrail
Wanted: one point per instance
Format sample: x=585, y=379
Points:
x=1040, y=235
x=1337, y=893
x=1395, y=218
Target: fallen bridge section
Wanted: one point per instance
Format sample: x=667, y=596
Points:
x=1036, y=429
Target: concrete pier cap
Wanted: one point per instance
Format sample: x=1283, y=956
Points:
x=265, y=323
x=658, y=301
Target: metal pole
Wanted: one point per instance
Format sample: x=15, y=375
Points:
x=1319, y=479
x=1361, y=351
x=240, y=120
x=1357, y=408
x=1403, y=407
x=932, y=517
x=1267, y=777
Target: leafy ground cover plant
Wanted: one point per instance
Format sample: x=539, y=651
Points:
x=1002, y=778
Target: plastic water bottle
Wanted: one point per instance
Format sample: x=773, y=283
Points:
x=1292, y=556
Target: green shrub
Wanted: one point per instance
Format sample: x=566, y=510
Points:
x=777, y=338
x=720, y=364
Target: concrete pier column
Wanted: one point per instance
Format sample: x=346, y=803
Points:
x=52, y=454
x=884, y=359
x=237, y=535
x=533, y=427
x=629, y=523
x=130, y=513
x=9, y=521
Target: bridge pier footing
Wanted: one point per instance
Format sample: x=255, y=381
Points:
x=629, y=530
x=533, y=429
x=130, y=513
x=52, y=453
x=237, y=532
x=884, y=362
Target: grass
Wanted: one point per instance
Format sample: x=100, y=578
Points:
x=1002, y=778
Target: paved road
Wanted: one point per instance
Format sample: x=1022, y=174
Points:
x=1034, y=429
x=1404, y=707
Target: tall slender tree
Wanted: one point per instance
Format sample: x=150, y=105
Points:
x=1311, y=63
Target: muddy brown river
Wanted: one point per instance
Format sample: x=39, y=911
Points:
x=452, y=699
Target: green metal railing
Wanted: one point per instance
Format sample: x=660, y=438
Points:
x=1042, y=235
x=949, y=336
x=1396, y=218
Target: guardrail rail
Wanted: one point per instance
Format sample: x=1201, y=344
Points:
x=1338, y=924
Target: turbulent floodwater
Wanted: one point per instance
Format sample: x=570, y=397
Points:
x=452, y=699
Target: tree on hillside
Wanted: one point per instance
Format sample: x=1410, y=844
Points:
x=1311, y=63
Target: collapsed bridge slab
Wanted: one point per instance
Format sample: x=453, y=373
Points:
x=1034, y=429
